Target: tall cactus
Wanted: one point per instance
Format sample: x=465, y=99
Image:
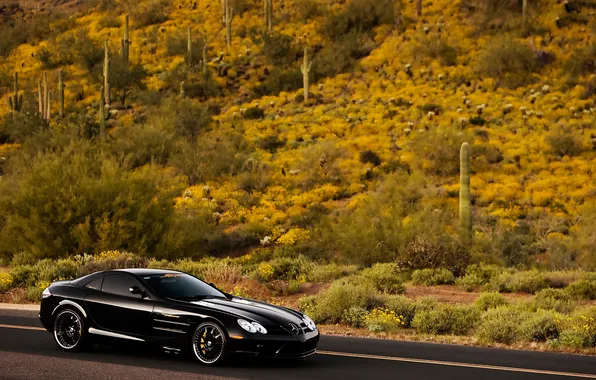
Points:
x=61, y=93
x=525, y=11
x=102, y=114
x=49, y=107
x=268, y=11
x=305, y=68
x=106, y=72
x=15, y=102
x=182, y=89
x=204, y=62
x=46, y=97
x=40, y=97
x=229, y=16
x=465, y=201
x=189, y=46
x=125, y=42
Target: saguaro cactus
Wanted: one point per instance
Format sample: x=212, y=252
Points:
x=125, y=42
x=182, y=89
x=46, y=97
x=61, y=93
x=268, y=8
x=102, y=114
x=204, y=62
x=106, y=72
x=228, y=18
x=305, y=68
x=465, y=201
x=15, y=101
x=525, y=10
x=40, y=97
x=189, y=46
x=418, y=8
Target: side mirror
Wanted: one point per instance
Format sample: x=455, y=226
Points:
x=212, y=285
x=138, y=291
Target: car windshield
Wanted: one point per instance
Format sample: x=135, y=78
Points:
x=181, y=286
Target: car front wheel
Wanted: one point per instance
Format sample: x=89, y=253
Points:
x=69, y=330
x=209, y=343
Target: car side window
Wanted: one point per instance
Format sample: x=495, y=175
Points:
x=120, y=284
x=95, y=284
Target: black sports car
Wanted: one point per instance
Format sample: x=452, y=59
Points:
x=175, y=311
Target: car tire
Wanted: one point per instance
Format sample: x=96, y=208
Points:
x=210, y=343
x=70, y=330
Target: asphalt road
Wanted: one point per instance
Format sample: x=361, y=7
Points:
x=27, y=352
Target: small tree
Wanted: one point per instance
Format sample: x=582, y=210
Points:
x=126, y=77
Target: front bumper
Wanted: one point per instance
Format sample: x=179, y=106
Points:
x=296, y=347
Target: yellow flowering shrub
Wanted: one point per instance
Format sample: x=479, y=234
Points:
x=293, y=236
x=383, y=320
x=5, y=281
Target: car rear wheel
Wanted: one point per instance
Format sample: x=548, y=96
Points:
x=209, y=343
x=70, y=330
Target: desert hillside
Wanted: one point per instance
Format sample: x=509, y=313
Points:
x=205, y=148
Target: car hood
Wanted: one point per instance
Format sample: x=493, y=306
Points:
x=253, y=310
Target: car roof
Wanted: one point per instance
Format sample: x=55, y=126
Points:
x=145, y=271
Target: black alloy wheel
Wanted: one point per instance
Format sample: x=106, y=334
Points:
x=69, y=330
x=209, y=343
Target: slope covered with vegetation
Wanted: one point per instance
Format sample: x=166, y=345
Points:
x=213, y=148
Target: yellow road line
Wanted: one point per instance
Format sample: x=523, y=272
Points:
x=22, y=327
x=456, y=364
x=407, y=360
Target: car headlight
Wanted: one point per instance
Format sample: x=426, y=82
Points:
x=252, y=327
x=309, y=323
x=46, y=293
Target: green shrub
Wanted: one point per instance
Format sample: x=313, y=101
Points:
x=552, y=299
x=540, y=326
x=562, y=279
x=370, y=157
x=23, y=275
x=573, y=339
x=385, y=278
x=584, y=288
x=508, y=60
x=195, y=268
x=490, y=301
x=222, y=271
x=565, y=142
x=331, y=304
x=501, y=325
x=34, y=293
x=23, y=258
x=149, y=12
x=307, y=305
x=358, y=16
x=524, y=282
x=329, y=272
x=402, y=306
x=440, y=149
x=354, y=316
x=579, y=329
x=434, y=49
x=279, y=48
x=446, y=319
x=253, y=113
x=469, y=282
x=431, y=277
x=426, y=304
